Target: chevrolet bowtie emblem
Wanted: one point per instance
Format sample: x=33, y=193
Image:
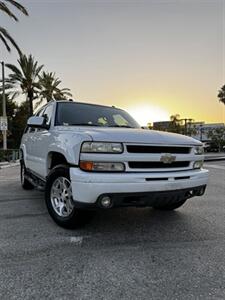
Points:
x=167, y=158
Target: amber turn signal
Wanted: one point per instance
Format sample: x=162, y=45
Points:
x=86, y=165
x=102, y=166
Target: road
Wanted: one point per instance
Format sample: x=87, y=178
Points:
x=121, y=254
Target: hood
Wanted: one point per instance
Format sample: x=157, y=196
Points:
x=129, y=135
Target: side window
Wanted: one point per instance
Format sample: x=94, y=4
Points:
x=47, y=114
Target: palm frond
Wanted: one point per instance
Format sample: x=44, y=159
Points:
x=65, y=90
x=7, y=87
x=38, y=103
x=8, y=37
x=4, y=8
x=5, y=42
x=14, y=95
x=13, y=68
x=38, y=69
x=18, y=6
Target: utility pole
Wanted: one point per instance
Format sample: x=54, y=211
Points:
x=4, y=119
x=201, y=132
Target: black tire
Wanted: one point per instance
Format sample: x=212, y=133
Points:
x=75, y=217
x=26, y=185
x=170, y=206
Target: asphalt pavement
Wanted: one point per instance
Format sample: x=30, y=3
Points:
x=120, y=254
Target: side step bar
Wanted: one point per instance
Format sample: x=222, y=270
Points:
x=36, y=181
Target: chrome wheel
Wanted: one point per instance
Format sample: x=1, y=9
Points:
x=61, y=197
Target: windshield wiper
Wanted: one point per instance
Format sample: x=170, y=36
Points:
x=121, y=126
x=84, y=124
x=99, y=125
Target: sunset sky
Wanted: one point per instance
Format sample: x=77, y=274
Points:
x=153, y=58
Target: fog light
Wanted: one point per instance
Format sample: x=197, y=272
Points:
x=198, y=164
x=106, y=202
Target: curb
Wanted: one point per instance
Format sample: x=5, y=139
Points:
x=8, y=165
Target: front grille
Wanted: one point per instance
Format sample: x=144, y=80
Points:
x=157, y=164
x=157, y=149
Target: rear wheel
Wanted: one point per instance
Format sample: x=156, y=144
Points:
x=59, y=199
x=169, y=206
x=26, y=185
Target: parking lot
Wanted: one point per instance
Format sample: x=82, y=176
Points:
x=120, y=254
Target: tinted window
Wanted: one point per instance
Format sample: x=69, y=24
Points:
x=48, y=114
x=92, y=115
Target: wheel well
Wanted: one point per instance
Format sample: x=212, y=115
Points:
x=56, y=158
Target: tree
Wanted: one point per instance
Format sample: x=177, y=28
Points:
x=221, y=94
x=50, y=90
x=19, y=123
x=217, y=137
x=11, y=107
x=175, y=124
x=17, y=119
x=24, y=79
x=191, y=129
x=5, y=37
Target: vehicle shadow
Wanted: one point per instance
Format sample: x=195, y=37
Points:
x=135, y=225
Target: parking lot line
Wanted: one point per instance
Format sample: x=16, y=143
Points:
x=76, y=240
x=10, y=179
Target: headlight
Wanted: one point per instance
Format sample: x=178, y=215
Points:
x=99, y=147
x=199, y=150
x=198, y=164
x=102, y=166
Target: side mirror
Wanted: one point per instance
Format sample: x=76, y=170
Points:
x=37, y=122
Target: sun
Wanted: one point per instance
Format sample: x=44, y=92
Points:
x=148, y=114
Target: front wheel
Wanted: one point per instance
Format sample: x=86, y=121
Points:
x=169, y=206
x=59, y=199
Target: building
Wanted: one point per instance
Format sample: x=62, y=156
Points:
x=197, y=130
x=161, y=125
x=200, y=130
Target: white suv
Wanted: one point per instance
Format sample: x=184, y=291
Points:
x=89, y=156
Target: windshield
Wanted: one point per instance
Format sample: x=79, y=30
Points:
x=72, y=114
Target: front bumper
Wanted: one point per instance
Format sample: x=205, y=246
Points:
x=88, y=188
x=144, y=199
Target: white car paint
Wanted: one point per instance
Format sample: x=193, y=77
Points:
x=37, y=144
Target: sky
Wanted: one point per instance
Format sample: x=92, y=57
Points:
x=154, y=58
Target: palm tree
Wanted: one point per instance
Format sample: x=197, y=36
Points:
x=221, y=94
x=175, y=119
x=4, y=35
x=24, y=79
x=50, y=89
x=175, y=123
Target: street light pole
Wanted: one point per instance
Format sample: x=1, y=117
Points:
x=4, y=132
x=200, y=132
